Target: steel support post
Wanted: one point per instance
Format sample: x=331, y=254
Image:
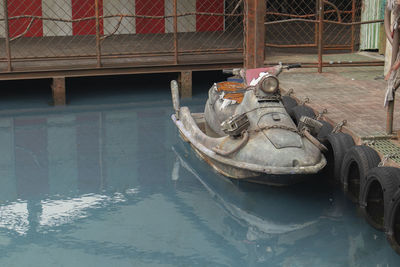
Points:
x=321, y=16
x=254, y=53
x=98, y=41
x=175, y=32
x=58, y=88
x=353, y=27
x=7, y=36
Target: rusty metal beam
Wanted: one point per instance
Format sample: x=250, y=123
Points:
x=320, y=35
x=104, y=71
x=333, y=64
x=98, y=44
x=353, y=27
x=175, y=32
x=254, y=54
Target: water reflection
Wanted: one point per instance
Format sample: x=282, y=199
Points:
x=59, y=212
x=116, y=186
x=307, y=225
x=14, y=216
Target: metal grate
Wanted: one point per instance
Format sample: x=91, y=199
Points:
x=387, y=148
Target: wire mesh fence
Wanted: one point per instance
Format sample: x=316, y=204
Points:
x=160, y=32
x=318, y=27
x=342, y=37
x=295, y=23
x=291, y=23
x=101, y=29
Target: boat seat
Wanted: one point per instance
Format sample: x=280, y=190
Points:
x=232, y=90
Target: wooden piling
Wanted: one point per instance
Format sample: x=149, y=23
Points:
x=185, y=80
x=58, y=89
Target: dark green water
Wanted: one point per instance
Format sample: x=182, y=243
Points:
x=108, y=182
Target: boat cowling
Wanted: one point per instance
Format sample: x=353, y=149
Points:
x=274, y=139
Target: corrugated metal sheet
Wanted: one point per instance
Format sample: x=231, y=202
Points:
x=370, y=33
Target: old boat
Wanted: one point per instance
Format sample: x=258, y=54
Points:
x=246, y=132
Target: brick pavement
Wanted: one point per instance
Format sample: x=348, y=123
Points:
x=351, y=94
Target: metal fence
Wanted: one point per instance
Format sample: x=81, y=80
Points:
x=39, y=35
x=315, y=26
x=109, y=32
x=295, y=23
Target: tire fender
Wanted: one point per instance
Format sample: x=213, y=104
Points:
x=326, y=129
x=393, y=211
x=357, y=162
x=338, y=144
x=289, y=103
x=388, y=179
x=300, y=111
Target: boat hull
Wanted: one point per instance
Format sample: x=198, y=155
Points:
x=251, y=176
x=271, y=175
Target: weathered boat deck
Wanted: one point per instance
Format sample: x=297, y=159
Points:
x=353, y=94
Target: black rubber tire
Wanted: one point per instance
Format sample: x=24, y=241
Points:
x=392, y=222
x=356, y=164
x=289, y=103
x=300, y=111
x=377, y=195
x=338, y=144
x=326, y=129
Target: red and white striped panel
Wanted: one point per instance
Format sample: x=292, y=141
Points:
x=57, y=9
x=112, y=7
x=2, y=28
x=77, y=9
x=185, y=23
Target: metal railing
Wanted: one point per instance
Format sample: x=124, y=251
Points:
x=321, y=25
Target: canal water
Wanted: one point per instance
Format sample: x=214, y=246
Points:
x=107, y=181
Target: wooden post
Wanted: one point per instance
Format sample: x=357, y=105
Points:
x=58, y=88
x=254, y=51
x=185, y=81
